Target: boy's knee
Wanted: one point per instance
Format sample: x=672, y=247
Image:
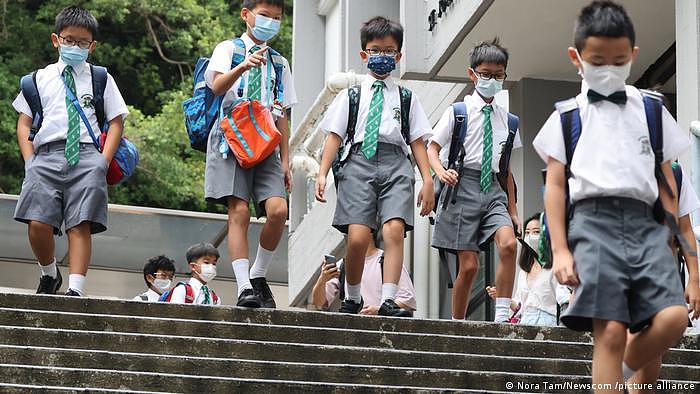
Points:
x=468, y=266
x=276, y=211
x=393, y=230
x=611, y=335
x=509, y=246
x=673, y=318
x=239, y=212
x=39, y=228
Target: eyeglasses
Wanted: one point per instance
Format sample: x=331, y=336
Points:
x=498, y=77
x=71, y=42
x=376, y=52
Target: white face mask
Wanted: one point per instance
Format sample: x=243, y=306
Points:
x=207, y=272
x=605, y=80
x=162, y=285
x=533, y=240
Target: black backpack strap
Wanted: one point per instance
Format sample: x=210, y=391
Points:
x=459, y=131
x=99, y=85
x=354, y=93
x=678, y=175
x=504, y=162
x=570, y=117
x=30, y=91
x=341, y=285
x=406, y=97
x=381, y=266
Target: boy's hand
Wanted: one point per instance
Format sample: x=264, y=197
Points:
x=517, y=225
x=449, y=177
x=288, y=184
x=692, y=297
x=320, y=188
x=491, y=291
x=256, y=59
x=564, y=268
x=426, y=198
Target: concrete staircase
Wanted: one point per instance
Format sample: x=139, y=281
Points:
x=59, y=344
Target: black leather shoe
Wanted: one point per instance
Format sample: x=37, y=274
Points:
x=389, y=308
x=49, y=285
x=351, y=307
x=72, y=293
x=248, y=299
x=262, y=290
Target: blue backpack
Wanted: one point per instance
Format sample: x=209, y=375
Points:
x=202, y=110
x=570, y=118
x=126, y=158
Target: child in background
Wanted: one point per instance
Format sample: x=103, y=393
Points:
x=202, y=259
x=158, y=274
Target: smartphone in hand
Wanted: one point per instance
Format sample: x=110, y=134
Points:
x=329, y=260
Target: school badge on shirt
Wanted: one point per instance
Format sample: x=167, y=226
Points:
x=86, y=101
x=646, y=146
x=397, y=114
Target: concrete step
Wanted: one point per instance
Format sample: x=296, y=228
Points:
x=302, y=318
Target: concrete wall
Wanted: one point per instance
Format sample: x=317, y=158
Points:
x=309, y=33
x=533, y=100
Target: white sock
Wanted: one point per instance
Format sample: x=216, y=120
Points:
x=502, y=310
x=76, y=282
x=49, y=270
x=353, y=292
x=263, y=259
x=389, y=291
x=627, y=372
x=241, y=269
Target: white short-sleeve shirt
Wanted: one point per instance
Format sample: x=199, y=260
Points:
x=614, y=157
x=151, y=296
x=688, y=201
x=336, y=119
x=178, y=295
x=52, y=93
x=474, y=140
x=220, y=62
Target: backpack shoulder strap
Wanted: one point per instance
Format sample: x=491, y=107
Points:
x=99, y=85
x=459, y=131
x=504, y=162
x=678, y=175
x=381, y=266
x=239, y=54
x=354, y=93
x=653, y=105
x=570, y=116
x=278, y=63
x=341, y=281
x=189, y=293
x=30, y=91
x=406, y=96
x=214, y=297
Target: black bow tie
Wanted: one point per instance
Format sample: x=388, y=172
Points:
x=617, y=97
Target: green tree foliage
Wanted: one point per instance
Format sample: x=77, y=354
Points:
x=150, y=48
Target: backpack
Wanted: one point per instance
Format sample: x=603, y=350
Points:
x=126, y=158
x=456, y=155
x=189, y=294
x=202, y=110
x=354, y=93
x=570, y=118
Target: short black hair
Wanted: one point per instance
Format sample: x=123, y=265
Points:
x=157, y=263
x=602, y=18
x=200, y=250
x=380, y=27
x=74, y=16
x=488, y=52
x=251, y=4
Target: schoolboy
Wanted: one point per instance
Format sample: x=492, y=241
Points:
x=267, y=183
x=482, y=210
x=376, y=177
x=65, y=175
x=613, y=248
x=202, y=259
x=158, y=274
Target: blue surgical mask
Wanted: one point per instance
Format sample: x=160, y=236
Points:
x=381, y=65
x=488, y=87
x=73, y=55
x=265, y=28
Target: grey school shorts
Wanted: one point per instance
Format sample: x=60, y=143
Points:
x=625, y=266
x=471, y=222
x=55, y=194
x=224, y=177
x=378, y=189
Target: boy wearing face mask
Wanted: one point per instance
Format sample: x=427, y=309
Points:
x=267, y=183
x=482, y=210
x=612, y=247
x=158, y=274
x=376, y=176
x=65, y=175
x=202, y=259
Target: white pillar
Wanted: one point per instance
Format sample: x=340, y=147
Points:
x=688, y=78
x=421, y=250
